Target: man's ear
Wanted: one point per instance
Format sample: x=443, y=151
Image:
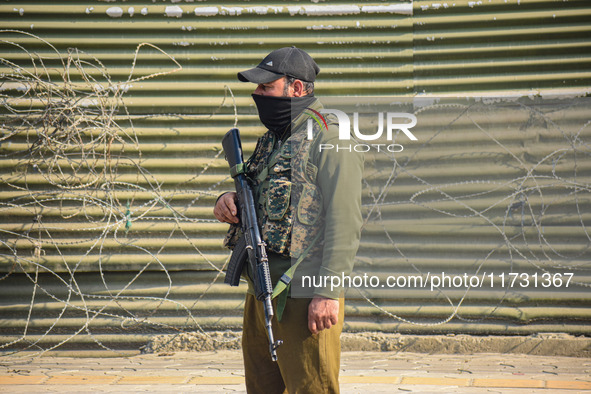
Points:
x=298, y=88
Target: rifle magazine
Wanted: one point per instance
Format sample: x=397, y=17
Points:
x=236, y=264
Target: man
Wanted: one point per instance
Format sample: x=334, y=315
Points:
x=309, y=209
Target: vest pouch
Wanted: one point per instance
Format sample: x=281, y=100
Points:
x=277, y=229
x=309, y=205
x=284, y=157
x=278, y=197
x=309, y=222
x=234, y=233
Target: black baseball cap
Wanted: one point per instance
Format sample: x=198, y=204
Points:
x=290, y=61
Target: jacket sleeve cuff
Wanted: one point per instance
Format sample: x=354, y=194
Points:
x=333, y=288
x=220, y=196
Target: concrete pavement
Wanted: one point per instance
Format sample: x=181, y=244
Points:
x=222, y=372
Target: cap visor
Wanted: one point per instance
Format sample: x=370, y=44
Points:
x=258, y=75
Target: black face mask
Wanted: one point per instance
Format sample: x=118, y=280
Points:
x=276, y=113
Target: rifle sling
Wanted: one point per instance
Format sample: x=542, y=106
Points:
x=238, y=169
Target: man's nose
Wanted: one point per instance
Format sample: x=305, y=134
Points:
x=259, y=90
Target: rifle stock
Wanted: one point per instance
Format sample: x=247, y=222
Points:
x=251, y=241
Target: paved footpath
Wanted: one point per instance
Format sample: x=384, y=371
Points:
x=222, y=372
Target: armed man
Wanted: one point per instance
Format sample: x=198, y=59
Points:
x=308, y=207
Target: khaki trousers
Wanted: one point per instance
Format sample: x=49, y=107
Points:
x=306, y=363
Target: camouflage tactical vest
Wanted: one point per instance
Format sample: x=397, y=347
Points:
x=289, y=203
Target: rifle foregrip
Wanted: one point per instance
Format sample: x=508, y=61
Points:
x=263, y=287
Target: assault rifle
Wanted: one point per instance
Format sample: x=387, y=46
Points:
x=250, y=247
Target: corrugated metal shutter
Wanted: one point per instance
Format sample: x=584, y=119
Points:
x=483, y=222
x=501, y=45
x=137, y=251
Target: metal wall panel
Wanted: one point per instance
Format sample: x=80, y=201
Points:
x=501, y=46
x=112, y=116
x=494, y=189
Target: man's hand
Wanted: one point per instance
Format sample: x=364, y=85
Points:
x=323, y=313
x=225, y=209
